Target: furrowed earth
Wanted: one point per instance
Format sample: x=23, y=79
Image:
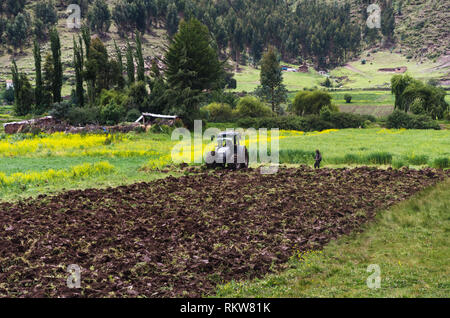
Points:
x=182, y=236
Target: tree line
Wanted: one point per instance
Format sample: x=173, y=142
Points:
x=110, y=88
x=322, y=31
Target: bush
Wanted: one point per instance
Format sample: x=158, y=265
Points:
x=112, y=114
x=8, y=95
x=219, y=112
x=60, y=110
x=311, y=102
x=133, y=115
x=348, y=98
x=251, y=107
x=346, y=120
x=81, y=116
x=399, y=119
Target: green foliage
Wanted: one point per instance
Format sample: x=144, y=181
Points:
x=57, y=81
x=8, y=95
x=38, y=92
x=414, y=95
x=99, y=16
x=272, y=89
x=18, y=30
x=311, y=102
x=249, y=106
x=23, y=92
x=192, y=67
x=61, y=110
x=441, y=163
x=81, y=116
x=399, y=119
x=218, y=112
x=112, y=113
x=132, y=115
x=45, y=12
x=348, y=98
x=138, y=97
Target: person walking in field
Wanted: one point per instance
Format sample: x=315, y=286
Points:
x=318, y=159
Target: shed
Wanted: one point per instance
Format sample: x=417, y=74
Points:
x=148, y=118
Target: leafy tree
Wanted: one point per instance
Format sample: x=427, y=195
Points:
x=272, y=88
x=17, y=31
x=311, y=102
x=46, y=12
x=249, y=106
x=99, y=16
x=388, y=22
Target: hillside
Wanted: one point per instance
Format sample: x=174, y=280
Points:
x=422, y=31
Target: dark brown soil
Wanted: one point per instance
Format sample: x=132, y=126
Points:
x=182, y=236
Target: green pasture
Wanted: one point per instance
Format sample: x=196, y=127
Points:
x=136, y=156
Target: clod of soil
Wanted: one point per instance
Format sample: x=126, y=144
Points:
x=182, y=236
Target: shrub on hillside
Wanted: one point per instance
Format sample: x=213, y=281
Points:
x=219, y=112
x=400, y=119
x=311, y=102
x=112, y=114
x=81, y=116
x=249, y=106
x=348, y=98
x=133, y=115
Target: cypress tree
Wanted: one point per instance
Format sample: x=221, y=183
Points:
x=121, y=81
x=38, y=93
x=55, y=44
x=130, y=65
x=78, y=64
x=139, y=59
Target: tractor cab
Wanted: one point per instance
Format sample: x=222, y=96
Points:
x=228, y=151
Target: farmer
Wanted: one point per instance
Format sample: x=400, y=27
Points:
x=318, y=159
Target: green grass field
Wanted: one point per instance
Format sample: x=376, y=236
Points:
x=356, y=75
x=409, y=243
x=134, y=157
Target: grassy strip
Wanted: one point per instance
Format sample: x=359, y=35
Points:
x=410, y=244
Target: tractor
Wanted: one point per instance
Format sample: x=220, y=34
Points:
x=228, y=152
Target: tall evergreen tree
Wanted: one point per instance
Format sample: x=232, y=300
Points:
x=139, y=59
x=78, y=65
x=272, y=88
x=192, y=67
x=55, y=44
x=130, y=65
x=121, y=81
x=38, y=92
x=23, y=92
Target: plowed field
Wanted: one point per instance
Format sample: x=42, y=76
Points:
x=181, y=236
